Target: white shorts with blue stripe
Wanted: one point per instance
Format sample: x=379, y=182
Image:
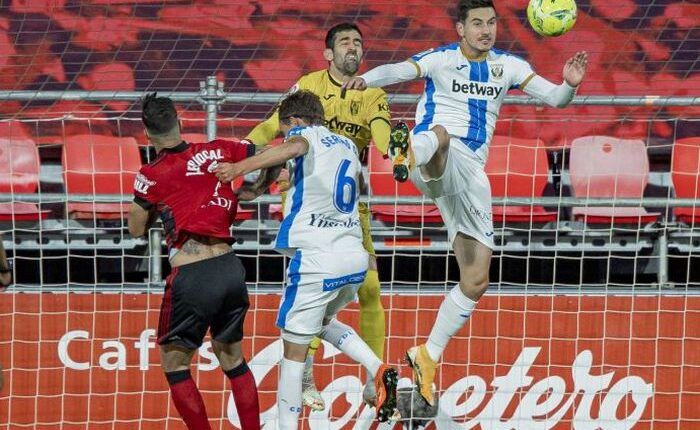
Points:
x=319, y=285
x=462, y=194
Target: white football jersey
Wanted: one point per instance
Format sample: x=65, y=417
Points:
x=464, y=96
x=320, y=211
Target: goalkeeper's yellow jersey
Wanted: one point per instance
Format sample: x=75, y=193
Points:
x=352, y=116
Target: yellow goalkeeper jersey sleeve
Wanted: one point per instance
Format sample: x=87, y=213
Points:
x=350, y=114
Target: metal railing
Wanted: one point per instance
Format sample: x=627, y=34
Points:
x=212, y=95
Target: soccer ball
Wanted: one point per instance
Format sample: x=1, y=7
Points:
x=551, y=17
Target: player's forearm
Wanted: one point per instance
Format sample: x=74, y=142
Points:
x=388, y=74
x=380, y=134
x=276, y=156
x=554, y=95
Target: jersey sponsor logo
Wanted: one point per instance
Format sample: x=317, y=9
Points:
x=328, y=96
x=331, y=284
x=323, y=221
x=497, y=71
x=346, y=127
x=462, y=66
x=477, y=89
x=142, y=183
x=383, y=107
x=194, y=164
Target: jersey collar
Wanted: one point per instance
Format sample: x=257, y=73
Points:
x=182, y=146
x=333, y=81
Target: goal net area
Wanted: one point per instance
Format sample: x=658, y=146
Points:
x=592, y=317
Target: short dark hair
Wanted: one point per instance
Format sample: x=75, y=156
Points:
x=464, y=6
x=304, y=105
x=344, y=26
x=158, y=114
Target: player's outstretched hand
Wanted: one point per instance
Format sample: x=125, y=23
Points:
x=575, y=68
x=227, y=172
x=355, y=83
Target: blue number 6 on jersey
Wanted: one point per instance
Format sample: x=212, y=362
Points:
x=345, y=189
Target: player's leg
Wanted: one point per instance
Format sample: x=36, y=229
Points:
x=425, y=148
x=229, y=307
x=310, y=395
x=180, y=333
x=291, y=375
x=383, y=378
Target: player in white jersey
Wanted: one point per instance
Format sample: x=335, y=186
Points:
x=465, y=84
x=321, y=233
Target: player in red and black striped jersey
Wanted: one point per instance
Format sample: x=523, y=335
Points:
x=206, y=289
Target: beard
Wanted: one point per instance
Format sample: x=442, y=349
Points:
x=350, y=65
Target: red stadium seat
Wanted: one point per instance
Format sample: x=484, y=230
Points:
x=382, y=183
x=685, y=171
x=603, y=166
x=518, y=168
x=19, y=173
x=95, y=164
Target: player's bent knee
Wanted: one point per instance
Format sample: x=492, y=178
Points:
x=174, y=358
x=229, y=354
x=369, y=292
x=442, y=135
x=474, y=288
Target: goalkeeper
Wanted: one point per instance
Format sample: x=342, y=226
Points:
x=360, y=116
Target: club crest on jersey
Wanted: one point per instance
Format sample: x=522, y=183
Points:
x=354, y=107
x=497, y=71
x=194, y=164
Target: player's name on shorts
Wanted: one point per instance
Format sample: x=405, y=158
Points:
x=194, y=164
x=477, y=89
x=323, y=221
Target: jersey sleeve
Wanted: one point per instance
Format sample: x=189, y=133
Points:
x=426, y=62
x=269, y=129
x=235, y=151
x=145, y=189
x=522, y=73
x=377, y=107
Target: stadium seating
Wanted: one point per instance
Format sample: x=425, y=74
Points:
x=98, y=164
x=518, y=168
x=382, y=183
x=603, y=166
x=685, y=171
x=19, y=173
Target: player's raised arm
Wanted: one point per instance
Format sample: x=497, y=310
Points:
x=560, y=95
x=276, y=156
x=384, y=75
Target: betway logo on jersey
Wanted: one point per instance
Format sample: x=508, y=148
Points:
x=194, y=164
x=347, y=128
x=478, y=89
x=323, y=221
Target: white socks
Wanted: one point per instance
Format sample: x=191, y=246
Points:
x=289, y=394
x=424, y=146
x=346, y=339
x=453, y=314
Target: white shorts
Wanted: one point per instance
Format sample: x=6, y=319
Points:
x=319, y=285
x=462, y=194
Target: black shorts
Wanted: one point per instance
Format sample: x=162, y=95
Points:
x=207, y=294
